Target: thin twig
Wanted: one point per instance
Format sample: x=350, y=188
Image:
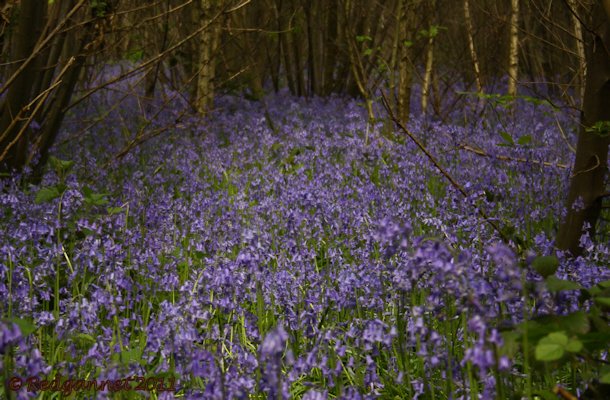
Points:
x=508, y=158
x=584, y=171
x=41, y=98
x=40, y=45
x=150, y=62
x=563, y=134
x=442, y=170
x=564, y=394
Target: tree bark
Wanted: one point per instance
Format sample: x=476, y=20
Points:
x=432, y=32
x=330, y=48
x=580, y=47
x=405, y=64
x=208, y=42
x=473, y=53
x=513, y=53
x=14, y=112
x=590, y=167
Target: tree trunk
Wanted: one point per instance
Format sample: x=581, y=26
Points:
x=580, y=48
x=330, y=48
x=284, y=48
x=14, y=137
x=312, y=59
x=405, y=64
x=590, y=167
x=473, y=53
x=513, y=53
x=432, y=32
x=208, y=40
x=359, y=74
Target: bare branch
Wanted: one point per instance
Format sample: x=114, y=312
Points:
x=439, y=167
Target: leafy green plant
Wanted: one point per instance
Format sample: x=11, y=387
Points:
x=561, y=341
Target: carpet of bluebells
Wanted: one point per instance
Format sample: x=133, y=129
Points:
x=287, y=249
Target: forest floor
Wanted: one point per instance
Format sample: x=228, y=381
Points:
x=287, y=249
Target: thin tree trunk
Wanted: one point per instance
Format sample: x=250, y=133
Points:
x=57, y=110
x=580, y=48
x=433, y=30
x=153, y=76
x=297, y=46
x=31, y=14
x=311, y=53
x=208, y=40
x=590, y=167
x=513, y=55
x=427, y=75
x=330, y=48
x=405, y=64
x=357, y=67
x=471, y=48
x=284, y=49
x=395, y=50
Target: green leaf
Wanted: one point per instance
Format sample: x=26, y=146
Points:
x=94, y=199
x=604, y=284
x=524, y=140
x=600, y=324
x=603, y=301
x=84, y=340
x=600, y=128
x=574, y=346
x=605, y=375
x=511, y=343
x=363, y=38
x=129, y=356
x=595, y=341
x=545, y=265
x=114, y=210
x=554, y=284
x=25, y=326
x=577, y=322
x=507, y=138
x=551, y=347
x=60, y=166
x=47, y=194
